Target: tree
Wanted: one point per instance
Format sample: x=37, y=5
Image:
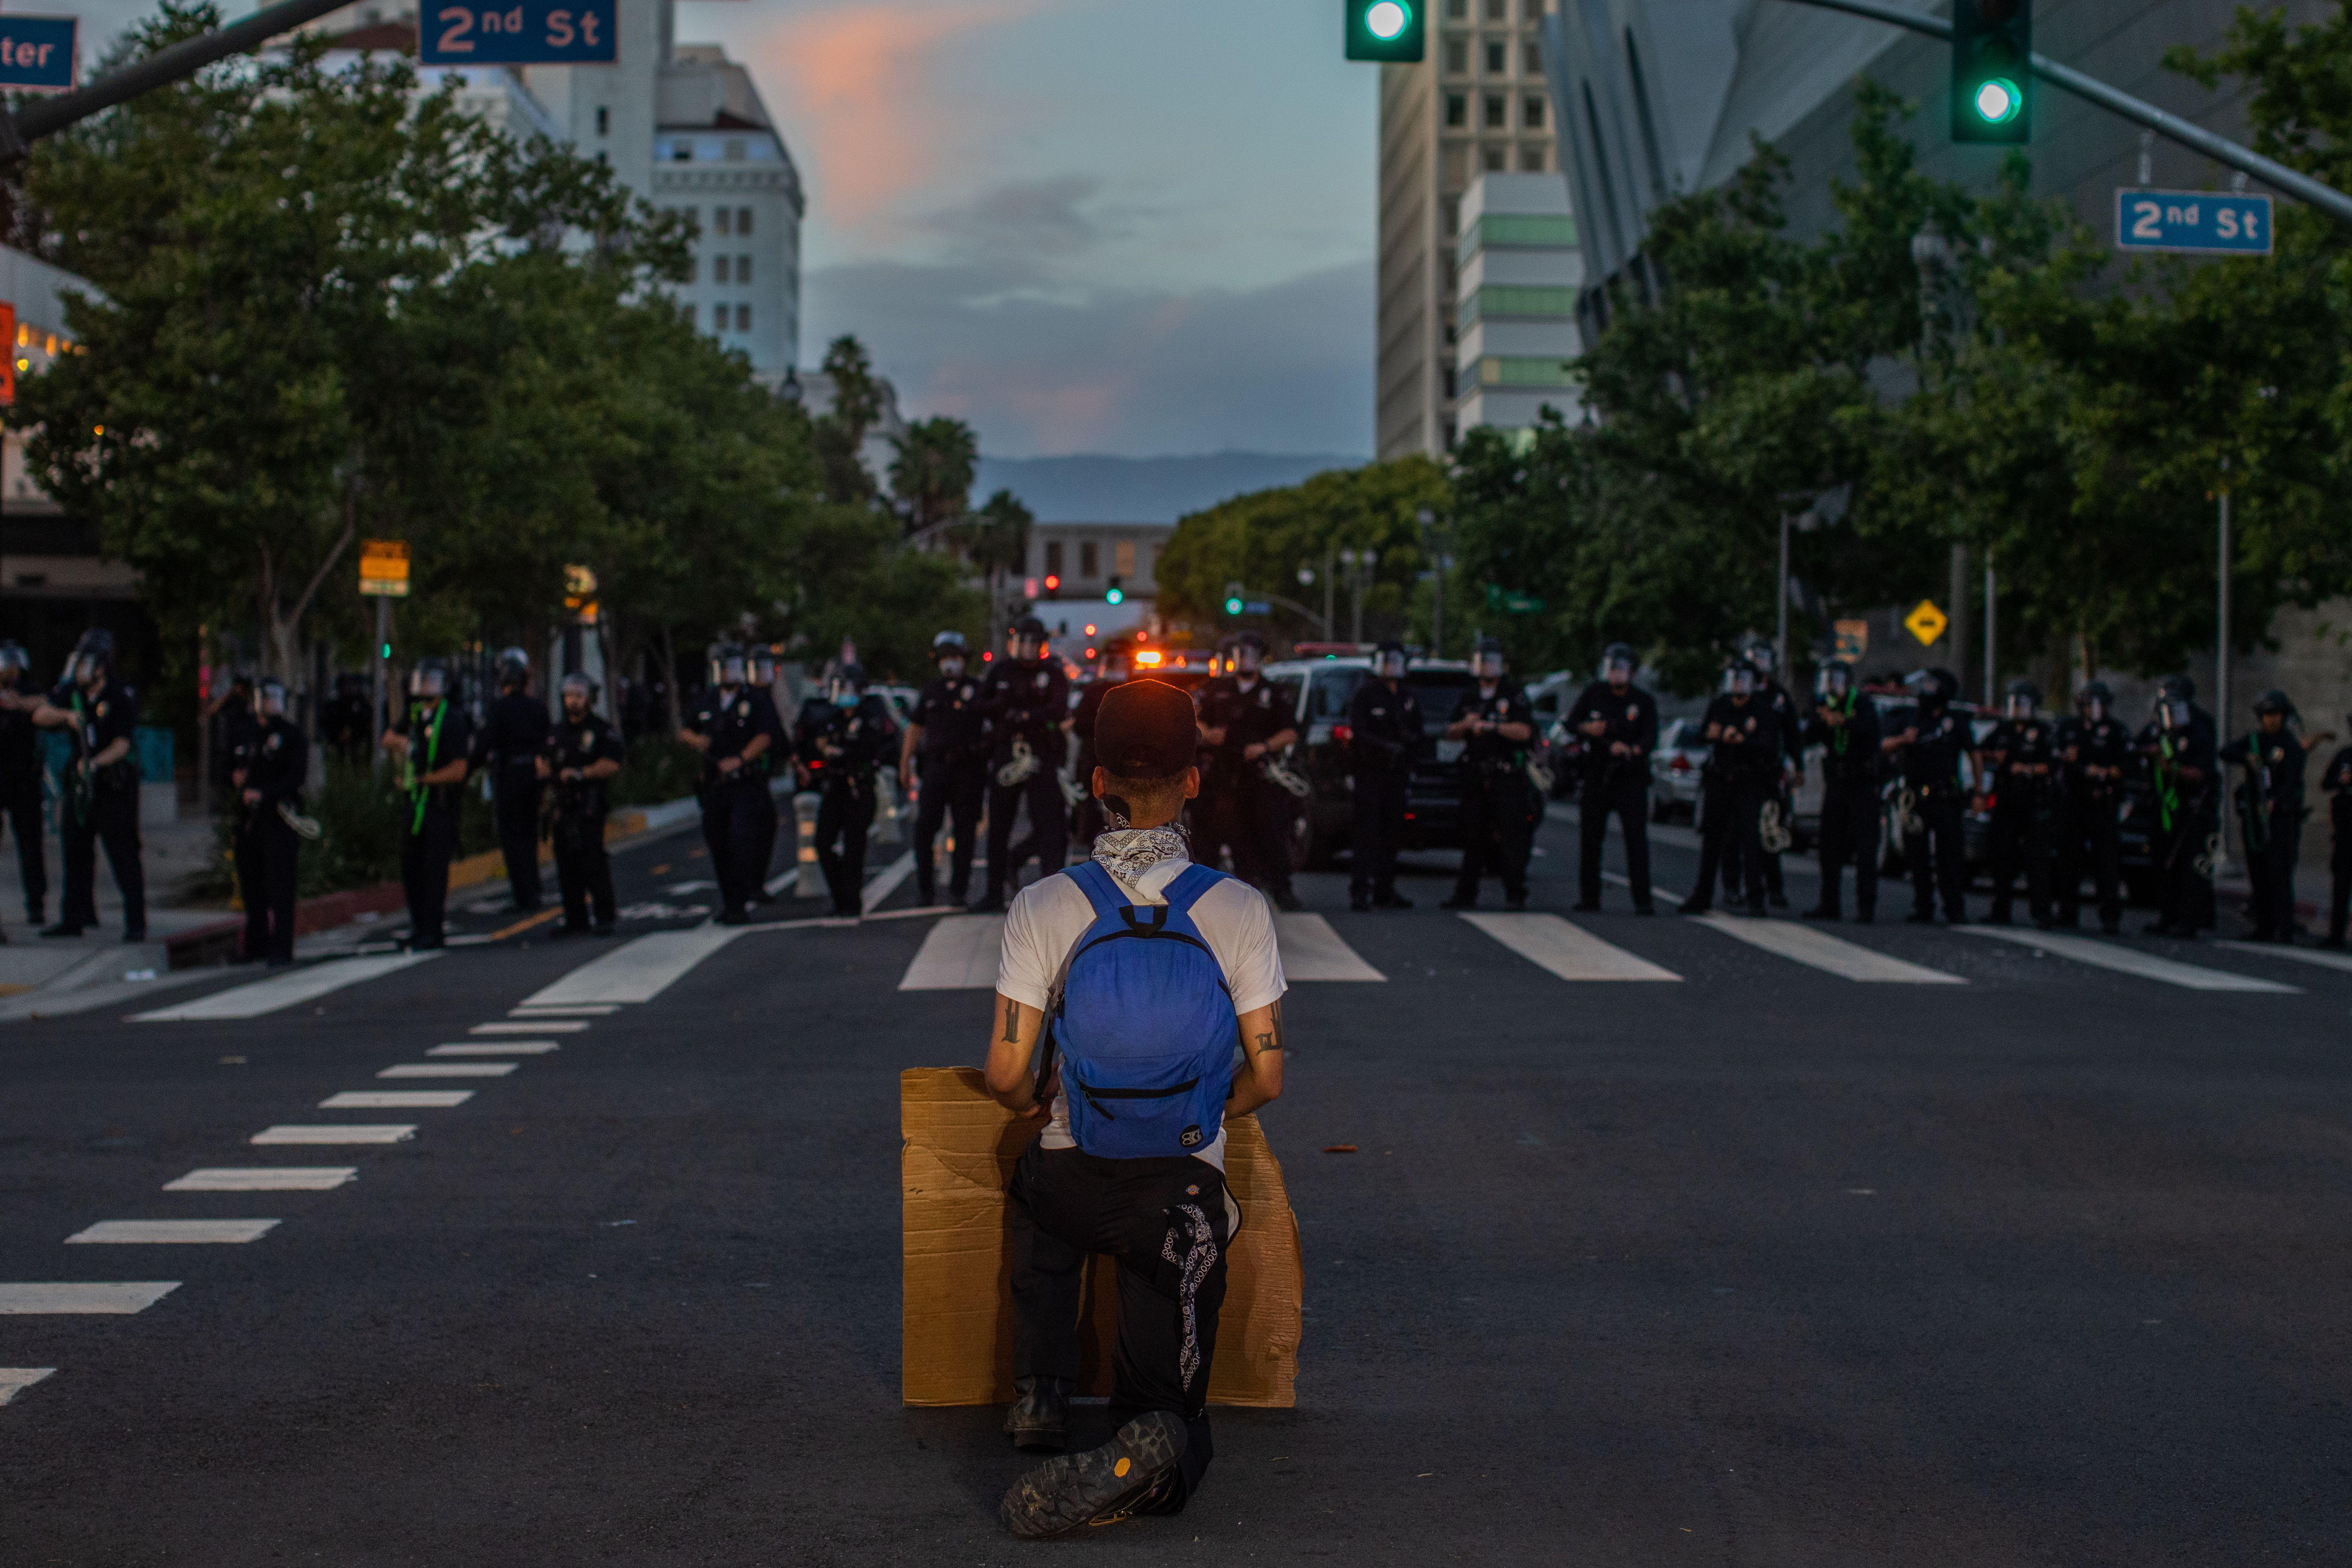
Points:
x=996, y=543
x=931, y=474
x=840, y=432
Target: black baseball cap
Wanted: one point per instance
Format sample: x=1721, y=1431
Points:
x=1146, y=730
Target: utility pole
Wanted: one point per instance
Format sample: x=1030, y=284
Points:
x=1959, y=631
x=1780, y=636
x=2221, y=661
x=381, y=664
x=1991, y=666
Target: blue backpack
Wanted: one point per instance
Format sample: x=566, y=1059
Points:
x=1144, y=1021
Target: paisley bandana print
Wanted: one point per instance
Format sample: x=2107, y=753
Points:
x=1127, y=853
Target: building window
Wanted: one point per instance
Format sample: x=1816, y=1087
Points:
x=1531, y=112
x=1122, y=558
x=1453, y=215
x=1531, y=58
x=694, y=270
x=1498, y=59
x=720, y=215
x=681, y=151
x=1446, y=380
x=1531, y=159
x=1497, y=160
x=1089, y=558
x=1458, y=57
x=1053, y=558
x=603, y=120
x=1498, y=114
x=1457, y=10
x=742, y=220
x=719, y=271
x=742, y=269
x=1457, y=111
x=742, y=318
x=1499, y=10
x=734, y=152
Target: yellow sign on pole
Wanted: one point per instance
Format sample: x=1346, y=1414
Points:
x=1927, y=623
x=1853, y=639
x=384, y=568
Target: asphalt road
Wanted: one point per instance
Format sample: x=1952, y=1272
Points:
x=1760, y=1265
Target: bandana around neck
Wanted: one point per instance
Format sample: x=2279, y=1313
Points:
x=1127, y=853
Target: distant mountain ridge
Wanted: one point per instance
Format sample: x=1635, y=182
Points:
x=1084, y=488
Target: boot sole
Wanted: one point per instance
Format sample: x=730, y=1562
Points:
x=1069, y=1493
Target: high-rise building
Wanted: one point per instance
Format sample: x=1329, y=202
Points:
x=1516, y=309
x=1476, y=103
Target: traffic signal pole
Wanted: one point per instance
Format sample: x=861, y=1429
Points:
x=2221, y=149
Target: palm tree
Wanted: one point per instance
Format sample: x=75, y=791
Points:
x=997, y=541
x=932, y=474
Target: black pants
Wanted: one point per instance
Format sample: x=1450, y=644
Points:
x=953, y=784
x=425, y=850
x=114, y=822
x=584, y=871
x=2091, y=838
x=731, y=830
x=2185, y=894
x=1375, y=829
x=763, y=852
x=20, y=802
x=1164, y=1223
x=1936, y=855
x=1731, y=836
x=1498, y=826
x=1849, y=835
x=2020, y=833
x=1257, y=814
x=268, y=856
x=516, y=809
x=843, y=812
x=1625, y=792
x=2340, y=902
x=2269, y=872
x=1049, y=827
x=1774, y=889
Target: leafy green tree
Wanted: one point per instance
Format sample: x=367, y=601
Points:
x=933, y=473
x=840, y=432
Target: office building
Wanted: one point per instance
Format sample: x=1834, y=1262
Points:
x=1516, y=308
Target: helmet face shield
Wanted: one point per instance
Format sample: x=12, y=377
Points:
x=270, y=697
x=579, y=691
x=1740, y=679
x=727, y=669
x=429, y=680
x=1389, y=664
x=951, y=665
x=1834, y=681
x=1486, y=665
x=2017, y=705
x=1617, y=669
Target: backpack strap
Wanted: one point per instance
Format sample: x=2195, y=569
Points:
x=1184, y=889
x=1101, y=889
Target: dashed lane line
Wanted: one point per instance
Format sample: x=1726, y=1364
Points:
x=2323, y=959
x=1567, y=950
x=2130, y=961
x=494, y=1048
x=265, y=1179
x=15, y=1380
x=448, y=1069
x=284, y=990
x=295, y=1132
x=173, y=1231
x=113, y=1298
x=396, y=1100
x=591, y=1010
x=1818, y=948
x=532, y=1026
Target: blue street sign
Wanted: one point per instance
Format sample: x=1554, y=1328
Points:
x=36, y=53
x=2226, y=223
x=528, y=32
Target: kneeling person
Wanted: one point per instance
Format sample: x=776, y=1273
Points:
x=1131, y=1162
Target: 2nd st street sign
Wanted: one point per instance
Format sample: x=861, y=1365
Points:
x=2193, y=223
x=531, y=32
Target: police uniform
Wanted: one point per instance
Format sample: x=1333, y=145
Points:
x=276, y=763
x=2270, y=810
x=730, y=717
x=21, y=771
x=513, y=738
x=1776, y=697
x=1848, y=832
x=1932, y=847
x=438, y=733
x=2183, y=773
x=1088, y=821
x=1253, y=812
x=103, y=808
x=1498, y=804
x=583, y=870
x=2337, y=782
x=951, y=778
x=2024, y=801
x=1743, y=772
x=1025, y=700
x=1386, y=734
x=2090, y=819
x=842, y=747
x=1613, y=782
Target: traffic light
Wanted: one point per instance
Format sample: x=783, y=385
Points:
x=1388, y=30
x=1115, y=595
x=1992, y=76
x=1232, y=606
x=1233, y=598
x=1053, y=585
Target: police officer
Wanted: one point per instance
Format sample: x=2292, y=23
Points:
x=2177, y=749
x=1495, y=724
x=840, y=744
x=512, y=740
x=1766, y=662
x=1384, y=723
x=1928, y=741
x=1845, y=725
x=1026, y=698
x=1087, y=819
x=733, y=725
x=1249, y=721
x=100, y=803
x=268, y=777
x=2019, y=766
x=21, y=771
x=2335, y=784
x=433, y=739
x=1615, y=723
x=943, y=763
x=581, y=754
x=2270, y=810
x=1743, y=772
x=2095, y=750
x=769, y=817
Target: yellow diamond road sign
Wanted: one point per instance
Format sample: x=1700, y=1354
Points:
x=1927, y=623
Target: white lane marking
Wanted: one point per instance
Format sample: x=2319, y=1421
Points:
x=2341, y=961
x=2130, y=961
x=283, y=991
x=1567, y=950
x=636, y=971
x=396, y=1100
x=265, y=1179
x=532, y=1026
x=1820, y=949
x=494, y=1048
x=1311, y=949
x=15, y=1380
x=294, y=1132
x=959, y=954
x=173, y=1232
x=919, y=912
x=885, y=884
x=680, y=889
x=594, y=1010
x=449, y=1070
x=108, y=1297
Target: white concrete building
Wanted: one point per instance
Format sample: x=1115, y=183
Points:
x=1520, y=269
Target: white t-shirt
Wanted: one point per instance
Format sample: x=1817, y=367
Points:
x=1046, y=920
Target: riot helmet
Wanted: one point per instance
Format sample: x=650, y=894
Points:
x=2094, y=699
x=514, y=669
x=2274, y=704
x=1028, y=637
x=428, y=678
x=581, y=685
x=1835, y=680
x=1487, y=662
x=1933, y=689
x=728, y=665
x=270, y=699
x=1764, y=658
x=848, y=685
x=1389, y=660
x=14, y=662
x=93, y=656
x=763, y=665
x=1739, y=677
x=1249, y=654
x=2023, y=697
x=2174, y=694
x=1617, y=663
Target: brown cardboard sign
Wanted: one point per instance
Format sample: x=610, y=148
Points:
x=957, y=1152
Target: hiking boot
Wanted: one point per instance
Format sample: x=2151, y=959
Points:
x=1040, y=1418
x=1134, y=1471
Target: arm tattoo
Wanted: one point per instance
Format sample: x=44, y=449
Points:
x=1267, y=1041
x=1011, y=1021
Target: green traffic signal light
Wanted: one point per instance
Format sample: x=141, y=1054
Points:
x=1993, y=81
x=1385, y=30
x=1232, y=606
x=1118, y=595
x=1999, y=101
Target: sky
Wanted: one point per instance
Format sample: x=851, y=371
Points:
x=1140, y=227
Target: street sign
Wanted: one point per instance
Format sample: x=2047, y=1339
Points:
x=36, y=53
x=531, y=33
x=1927, y=623
x=1511, y=604
x=1851, y=640
x=2193, y=223
x=384, y=568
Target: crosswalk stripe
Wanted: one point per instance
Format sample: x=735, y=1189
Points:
x=1567, y=950
x=1820, y=949
x=886, y=883
x=295, y=1132
x=959, y=954
x=532, y=1026
x=284, y=990
x=2130, y=961
x=1311, y=949
x=114, y=1296
x=396, y=1100
x=173, y=1232
x=594, y=1010
x=636, y=971
x=448, y=1069
x=494, y=1048
x=15, y=1380
x=265, y=1179
x=2338, y=961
